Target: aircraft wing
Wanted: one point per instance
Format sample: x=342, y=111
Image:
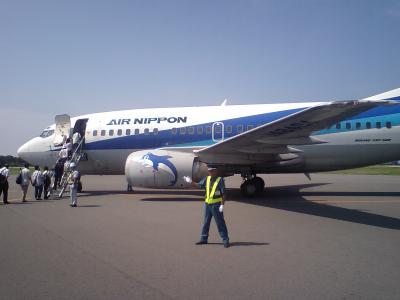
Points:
x=295, y=129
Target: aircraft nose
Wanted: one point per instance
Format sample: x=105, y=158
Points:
x=23, y=150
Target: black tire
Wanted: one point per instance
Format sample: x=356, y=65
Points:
x=248, y=189
x=260, y=184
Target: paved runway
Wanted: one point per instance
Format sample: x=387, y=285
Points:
x=335, y=237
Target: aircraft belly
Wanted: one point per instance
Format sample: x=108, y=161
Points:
x=105, y=162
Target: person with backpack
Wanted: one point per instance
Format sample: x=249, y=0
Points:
x=46, y=182
x=4, y=174
x=58, y=171
x=37, y=182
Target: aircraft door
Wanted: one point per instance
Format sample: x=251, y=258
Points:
x=80, y=126
x=218, y=131
x=63, y=127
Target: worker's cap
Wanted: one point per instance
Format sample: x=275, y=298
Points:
x=211, y=168
x=72, y=165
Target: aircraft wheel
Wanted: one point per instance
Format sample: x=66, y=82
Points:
x=249, y=188
x=260, y=184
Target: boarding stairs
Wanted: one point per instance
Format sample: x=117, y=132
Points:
x=76, y=158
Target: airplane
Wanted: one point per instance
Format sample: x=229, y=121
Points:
x=159, y=147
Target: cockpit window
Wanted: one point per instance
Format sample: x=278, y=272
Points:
x=46, y=133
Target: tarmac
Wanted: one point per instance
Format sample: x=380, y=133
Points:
x=334, y=237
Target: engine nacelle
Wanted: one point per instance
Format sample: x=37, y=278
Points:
x=163, y=168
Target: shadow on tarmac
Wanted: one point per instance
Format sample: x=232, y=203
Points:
x=290, y=198
x=143, y=192
x=241, y=244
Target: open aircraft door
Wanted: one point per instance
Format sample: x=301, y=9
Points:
x=63, y=127
x=80, y=126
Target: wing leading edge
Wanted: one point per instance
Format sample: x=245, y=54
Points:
x=277, y=138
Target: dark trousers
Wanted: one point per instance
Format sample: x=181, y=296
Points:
x=212, y=210
x=38, y=191
x=4, y=190
x=46, y=190
x=57, y=179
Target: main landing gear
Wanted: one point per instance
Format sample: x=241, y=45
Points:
x=252, y=186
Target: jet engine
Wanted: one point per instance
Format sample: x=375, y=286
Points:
x=163, y=168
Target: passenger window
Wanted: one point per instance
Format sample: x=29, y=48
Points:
x=368, y=125
x=191, y=130
x=155, y=131
x=119, y=132
x=358, y=125
x=111, y=132
x=217, y=129
x=182, y=130
x=249, y=127
x=94, y=132
x=240, y=128
x=128, y=132
x=348, y=125
x=146, y=131
x=338, y=126
x=137, y=131
x=200, y=130
x=174, y=130
x=208, y=129
x=229, y=129
x=378, y=125
x=388, y=124
x=103, y=133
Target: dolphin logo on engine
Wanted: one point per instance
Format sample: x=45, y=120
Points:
x=158, y=162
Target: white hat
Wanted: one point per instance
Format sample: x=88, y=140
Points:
x=72, y=165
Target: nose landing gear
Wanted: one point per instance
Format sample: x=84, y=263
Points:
x=252, y=186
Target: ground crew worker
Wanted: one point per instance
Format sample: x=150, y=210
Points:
x=73, y=180
x=214, y=205
x=4, y=174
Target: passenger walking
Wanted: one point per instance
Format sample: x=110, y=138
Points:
x=58, y=172
x=68, y=146
x=25, y=180
x=4, y=174
x=214, y=205
x=76, y=138
x=46, y=182
x=73, y=181
x=37, y=182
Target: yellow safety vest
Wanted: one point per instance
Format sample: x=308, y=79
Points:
x=210, y=194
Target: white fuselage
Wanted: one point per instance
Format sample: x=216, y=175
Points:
x=370, y=138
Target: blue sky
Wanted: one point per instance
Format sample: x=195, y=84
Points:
x=79, y=57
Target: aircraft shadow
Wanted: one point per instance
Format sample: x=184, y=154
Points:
x=143, y=192
x=291, y=199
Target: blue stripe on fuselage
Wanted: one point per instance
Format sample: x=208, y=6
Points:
x=165, y=138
